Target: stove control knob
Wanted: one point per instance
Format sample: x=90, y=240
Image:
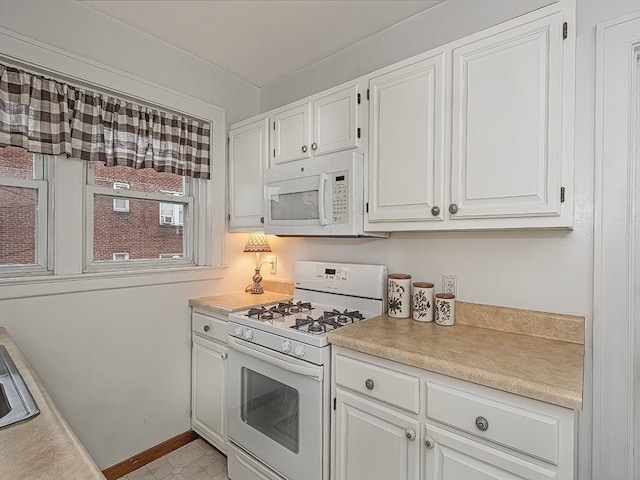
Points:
x=286, y=346
x=248, y=334
x=300, y=350
x=238, y=331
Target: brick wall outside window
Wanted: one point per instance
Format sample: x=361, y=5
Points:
x=17, y=210
x=137, y=232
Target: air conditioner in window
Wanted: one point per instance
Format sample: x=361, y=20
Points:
x=166, y=220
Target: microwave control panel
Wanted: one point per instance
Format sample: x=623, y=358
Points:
x=340, y=185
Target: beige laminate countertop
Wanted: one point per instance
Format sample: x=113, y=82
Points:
x=541, y=368
x=44, y=447
x=233, y=302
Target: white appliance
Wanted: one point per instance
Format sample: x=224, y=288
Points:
x=320, y=196
x=278, y=373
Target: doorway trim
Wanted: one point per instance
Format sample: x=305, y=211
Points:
x=616, y=428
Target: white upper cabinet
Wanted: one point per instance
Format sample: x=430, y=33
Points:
x=507, y=122
x=477, y=134
x=292, y=134
x=407, y=145
x=326, y=123
x=248, y=157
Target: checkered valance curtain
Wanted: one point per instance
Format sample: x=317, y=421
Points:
x=51, y=117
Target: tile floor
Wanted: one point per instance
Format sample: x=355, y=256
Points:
x=195, y=461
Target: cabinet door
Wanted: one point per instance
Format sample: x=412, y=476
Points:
x=208, y=391
x=407, y=143
x=507, y=122
x=453, y=457
x=372, y=441
x=335, y=121
x=248, y=157
x=292, y=134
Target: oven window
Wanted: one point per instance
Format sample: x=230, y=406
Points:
x=271, y=407
x=295, y=206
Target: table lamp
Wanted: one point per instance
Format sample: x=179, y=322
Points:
x=257, y=243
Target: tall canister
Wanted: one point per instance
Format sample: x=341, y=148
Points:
x=423, y=301
x=399, y=295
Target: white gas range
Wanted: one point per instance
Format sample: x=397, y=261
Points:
x=279, y=368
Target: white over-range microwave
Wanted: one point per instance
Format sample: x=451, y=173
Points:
x=319, y=196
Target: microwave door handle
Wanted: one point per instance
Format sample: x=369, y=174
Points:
x=321, y=213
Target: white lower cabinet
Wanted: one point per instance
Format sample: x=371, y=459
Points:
x=450, y=456
x=459, y=431
x=209, y=379
x=374, y=442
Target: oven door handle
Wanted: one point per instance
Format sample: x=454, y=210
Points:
x=313, y=372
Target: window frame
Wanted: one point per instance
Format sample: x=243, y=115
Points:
x=120, y=186
x=40, y=182
x=190, y=216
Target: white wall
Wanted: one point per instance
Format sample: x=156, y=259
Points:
x=116, y=362
x=76, y=28
x=447, y=22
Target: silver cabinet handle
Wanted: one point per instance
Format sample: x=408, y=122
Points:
x=429, y=443
x=453, y=208
x=482, y=423
x=369, y=383
x=435, y=211
x=410, y=434
x=224, y=355
x=314, y=145
x=206, y=328
x=261, y=219
x=304, y=149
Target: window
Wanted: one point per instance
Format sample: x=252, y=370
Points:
x=23, y=213
x=120, y=204
x=171, y=213
x=150, y=240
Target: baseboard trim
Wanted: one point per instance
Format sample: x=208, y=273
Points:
x=130, y=464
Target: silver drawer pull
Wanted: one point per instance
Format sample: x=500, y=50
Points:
x=206, y=328
x=429, y=443
x=224, y=355
x=369, y=384
x=482, y=423
x=410, y=434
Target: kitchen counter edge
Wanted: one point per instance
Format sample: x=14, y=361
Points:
x=233, y=302
x=539, y=368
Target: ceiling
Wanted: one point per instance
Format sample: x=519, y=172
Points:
x=261, y=41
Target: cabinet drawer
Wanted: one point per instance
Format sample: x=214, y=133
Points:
x=515, y=427
x=378, y=382
x=209, y=327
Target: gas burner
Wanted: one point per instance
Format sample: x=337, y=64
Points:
x=316, y=325
x=263, y=313
x=290, y=308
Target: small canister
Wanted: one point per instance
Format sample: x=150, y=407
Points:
x=423, y=301
x=399, y=295
x=445, y=308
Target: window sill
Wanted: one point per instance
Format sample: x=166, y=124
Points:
x=26, y=287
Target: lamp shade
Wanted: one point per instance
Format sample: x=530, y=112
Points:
x=257, y=243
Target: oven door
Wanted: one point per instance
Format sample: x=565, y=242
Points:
x=275, y=407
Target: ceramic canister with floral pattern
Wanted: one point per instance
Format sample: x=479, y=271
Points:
x=399, y=295
x=423, y=301
x=445, y=308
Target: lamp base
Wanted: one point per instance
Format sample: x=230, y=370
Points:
x=256, y=288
